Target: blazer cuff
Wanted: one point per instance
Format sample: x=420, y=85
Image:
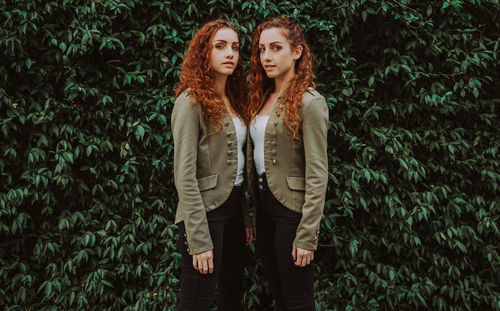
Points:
x=200, y=249
x=309, y=245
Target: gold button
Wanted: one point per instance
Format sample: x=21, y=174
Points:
x=275, y=123
x=274, y=161
x=273, y=143
x=273, y=133
x=228, y=162
x=226, y=124
x=228, y=134
x=229, y=152
x=229, y=143
x=273, y=152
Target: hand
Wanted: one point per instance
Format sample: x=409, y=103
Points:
x=302, y=257
x=251, y=234
x=204, y=262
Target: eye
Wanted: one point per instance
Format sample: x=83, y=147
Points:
x=262, y=50
x=276, y=48
x=236, y=48
x=219, y=46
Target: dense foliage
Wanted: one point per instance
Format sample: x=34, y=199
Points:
x=87, y=199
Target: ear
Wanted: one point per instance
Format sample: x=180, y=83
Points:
x=297, y=52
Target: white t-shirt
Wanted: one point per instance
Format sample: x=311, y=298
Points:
x=257, y=133
x=241, y=136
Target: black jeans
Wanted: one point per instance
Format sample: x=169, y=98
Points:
x=292, y=287
x=227, y=232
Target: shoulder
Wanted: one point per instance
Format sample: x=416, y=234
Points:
x=185, y=108
x=313, y=99
x=184, y=102
x=184, y=98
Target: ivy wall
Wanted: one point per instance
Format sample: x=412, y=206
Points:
x=87, y=198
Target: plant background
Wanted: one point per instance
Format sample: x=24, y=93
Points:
x=87, y=198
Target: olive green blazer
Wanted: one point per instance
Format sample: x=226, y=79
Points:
x=297, y=170
x=205, y=168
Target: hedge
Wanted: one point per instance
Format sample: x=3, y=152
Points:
x=87, y=199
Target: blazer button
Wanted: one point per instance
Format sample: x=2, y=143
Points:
x=229, y=152
x=228, y=162
x=273, y=134
x=274, y=161
x=260, y=187
x=260, y=179
x=275, y=123
x=230, y=143
x=228, y=134
x=273, y=152
x=226, y=124
x=273, y=143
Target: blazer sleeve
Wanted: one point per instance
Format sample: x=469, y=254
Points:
x=314, y=135
x=185, y=128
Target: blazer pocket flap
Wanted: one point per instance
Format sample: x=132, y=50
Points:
x=296, y=183
x=208, y=182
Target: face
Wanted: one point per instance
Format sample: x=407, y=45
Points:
x=225, y=51
x=276, y=54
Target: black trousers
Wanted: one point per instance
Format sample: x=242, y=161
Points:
x=227, y=232
x=292, y=287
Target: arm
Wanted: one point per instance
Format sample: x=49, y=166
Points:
x=314, y=135
x=185, y=129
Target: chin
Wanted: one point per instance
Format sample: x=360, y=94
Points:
x=227, y=72
x=271, y=75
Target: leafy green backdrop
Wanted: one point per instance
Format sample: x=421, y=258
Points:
x=86, y=191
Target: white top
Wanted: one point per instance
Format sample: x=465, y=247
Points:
x=241, y=136
x=257, y=132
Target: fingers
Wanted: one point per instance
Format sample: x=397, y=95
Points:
x=195, y=263
x=249, y=236
x=251, y=233
x=307, y=260
x=302, y=257
x=204, y=262
x=210, y=265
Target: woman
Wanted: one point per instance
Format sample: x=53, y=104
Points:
x=287, y=152
x=209, y=131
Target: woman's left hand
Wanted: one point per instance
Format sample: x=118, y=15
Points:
x=302, y=257
x=251, y=234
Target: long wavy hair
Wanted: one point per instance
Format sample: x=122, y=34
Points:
x=291, y=99
x=198, y=77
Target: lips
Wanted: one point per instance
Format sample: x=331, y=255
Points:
x=228, y=63
x=269, y=67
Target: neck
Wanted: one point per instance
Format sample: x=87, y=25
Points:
x=281, y=83
x=220, y=84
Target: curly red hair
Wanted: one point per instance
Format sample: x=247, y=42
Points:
x=198, y=78
x=291, y=100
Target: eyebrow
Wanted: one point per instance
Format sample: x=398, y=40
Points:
x=274, y=42
x=224, y=41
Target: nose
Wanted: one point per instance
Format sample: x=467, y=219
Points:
x=266, y=56
x=229, y=52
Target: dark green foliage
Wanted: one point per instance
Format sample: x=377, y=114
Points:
x=87, y=199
